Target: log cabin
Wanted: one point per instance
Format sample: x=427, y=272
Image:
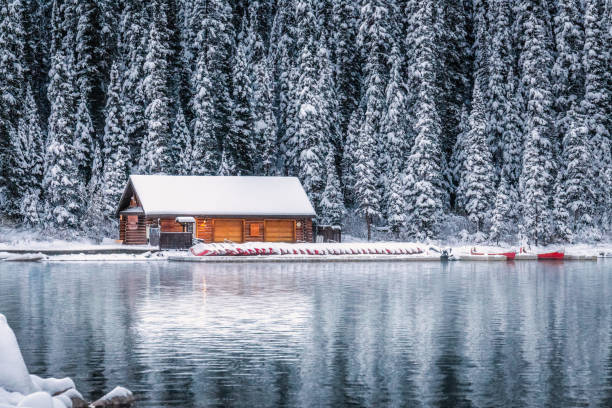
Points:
x=216, y=208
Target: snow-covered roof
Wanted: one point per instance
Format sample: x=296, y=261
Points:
x=219, y=196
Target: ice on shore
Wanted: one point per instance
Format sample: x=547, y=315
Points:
x=20, y=389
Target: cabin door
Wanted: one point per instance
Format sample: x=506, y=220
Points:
x=231, y=230
x=279, y=230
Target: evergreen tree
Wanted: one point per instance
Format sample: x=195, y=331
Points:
x=153, y=156
x=62, y=190
x=479, y=183
x=310, y=132
x=349, y=156
x=567, y=72
x=206, y=158
x=397, y=207
x=397, y=137
x=539, y=166
x=507, y=203
x=12, y=68
x=83, y=142
x=376, y=34
x=281, y=59
x=262, y=111
x=184, y=144
x=458, y=161
x=425, y=181
x=576, y=197
x=115, y=152
x=213, y=20
x=238, y=146
x=346, y=58
x=332, y=207
x=596, y=107
x=367, y=198
x=499, y=65
x=133, y=48
x=26, y=161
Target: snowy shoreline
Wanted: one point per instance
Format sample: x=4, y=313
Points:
x=300, y=252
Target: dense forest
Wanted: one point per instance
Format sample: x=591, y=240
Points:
x=408, y=115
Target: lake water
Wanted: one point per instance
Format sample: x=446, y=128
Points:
x=524, y=334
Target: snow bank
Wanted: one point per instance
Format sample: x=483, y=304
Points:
x=20, y=389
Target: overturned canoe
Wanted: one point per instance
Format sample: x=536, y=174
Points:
x=25, y=258
x=551, y=255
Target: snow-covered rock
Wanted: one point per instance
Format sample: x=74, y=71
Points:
x=19, y=389
x=118, y=397
x=14, y=376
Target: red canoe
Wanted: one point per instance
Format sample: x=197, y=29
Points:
x=508, y=255
x=551, y=255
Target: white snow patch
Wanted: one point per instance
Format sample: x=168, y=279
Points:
x=117, y=392
x=19, y=389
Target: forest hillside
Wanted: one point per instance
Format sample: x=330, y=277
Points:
x=423, y=118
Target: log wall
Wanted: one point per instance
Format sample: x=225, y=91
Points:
x=136, y=236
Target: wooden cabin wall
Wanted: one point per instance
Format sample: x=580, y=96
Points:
x=136, y=236
x=170, y=225
x=122, y=226
x=304, y=233
x=204, y=229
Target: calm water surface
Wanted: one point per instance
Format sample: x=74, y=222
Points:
x=415, y=334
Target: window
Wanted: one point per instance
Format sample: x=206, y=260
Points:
x=254, y=230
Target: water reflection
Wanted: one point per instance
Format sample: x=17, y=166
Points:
x=461, y=334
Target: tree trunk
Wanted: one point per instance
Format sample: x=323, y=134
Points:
x=369, y=223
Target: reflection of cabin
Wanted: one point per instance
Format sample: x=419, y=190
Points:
x=216, y=209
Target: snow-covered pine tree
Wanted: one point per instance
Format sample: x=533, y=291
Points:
x=349, y=156
x=116, y=150
x=567, y=72
x=425, y=191
x=397, y=138
x=332, y=207
x=345, y=17
x=329, y=97
x=83, y=140
x=206, y=156
x=507, y=202
x=132, y=47
x=215, y=45
x=455, y=54
x=367, y=196
x=397, y=208
x=238, y=146
x=281, y=59
x=574, y=210
x=375, y=38
x=479, y=183
x=26, y=161
x=597, y=106
x=184, y=144
x=310, y=131
x=458, y=160
x=499, y=64
x=61, y=187
x=88, y=62
x=264, y=123
x=153, y=155
x=12, y=67
x=539, y=166
x=95, y=222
